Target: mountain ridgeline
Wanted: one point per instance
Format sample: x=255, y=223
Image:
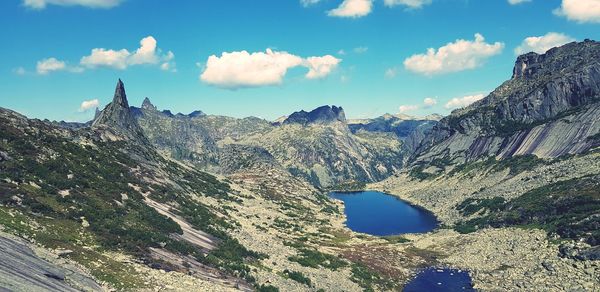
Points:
x=317, y=146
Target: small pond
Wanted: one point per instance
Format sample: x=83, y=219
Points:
x=440, y=280
x=380, y=214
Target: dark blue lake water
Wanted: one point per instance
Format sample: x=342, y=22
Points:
x=381, y=214
x=444, y=280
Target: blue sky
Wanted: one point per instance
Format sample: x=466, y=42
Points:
x=363, y=53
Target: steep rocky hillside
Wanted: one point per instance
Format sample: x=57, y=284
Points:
x=549, y=108
x=316, y=146
x=320, y=147
x=195, y=137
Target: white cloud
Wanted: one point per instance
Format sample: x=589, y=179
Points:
x=391, y=73
x=41, y=4
x=88, y=104
x=320, y=67
x=515, y=2
x=352, y=8
x=307, y=3
x=360, y=50
x=242, y=69
x=106, y=58
x=453, y=57
x=464, y=101
x=407, y=108
x=541, y=44
x=429, y=102
x=148, y=53
x=410, y=3
x=46, y=66
x=580, y=10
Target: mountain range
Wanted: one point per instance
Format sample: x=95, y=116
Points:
x=221, y=203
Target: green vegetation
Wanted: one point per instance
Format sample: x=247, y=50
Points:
x=60, y=184
x=568, y=208
x=266, y=288
x=368, y=279
x=314, y=259
x=516, y=164
x=350, y=186
x=418, y=173
x=298, y=277
x=393, y=239
x=471, y=206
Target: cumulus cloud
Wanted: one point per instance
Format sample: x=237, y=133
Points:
x=46, y=66
x=88, y=104
x=515, y=2
x=407, y=108
x=459, y=102
x=41, y=4
x=106, y=58
x=580, y=10
x=147, y=53
x=453, y=57
x=541, y=44
x=409, y=3
x=429, y=102
x=243, y=69
x=352, y=8
x=319, y=67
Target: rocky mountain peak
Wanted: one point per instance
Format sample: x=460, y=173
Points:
x=120, y=97
x=117, y=116
x=147, y=105
x=321, y=115
x=526, y=65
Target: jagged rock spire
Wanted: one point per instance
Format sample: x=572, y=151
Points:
x=147, y=105
x=120, y=95
x=117, y=117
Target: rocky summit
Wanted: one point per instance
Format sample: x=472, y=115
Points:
x=322, y=115
x=117, y=117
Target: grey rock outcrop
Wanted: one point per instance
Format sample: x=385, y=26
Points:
x=147, y=105
x=550, y=107
x=118, y=118
x=321, y=115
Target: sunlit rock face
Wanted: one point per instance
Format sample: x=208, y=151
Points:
x=550, y=107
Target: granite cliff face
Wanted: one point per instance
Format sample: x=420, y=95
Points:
x=550, y=107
